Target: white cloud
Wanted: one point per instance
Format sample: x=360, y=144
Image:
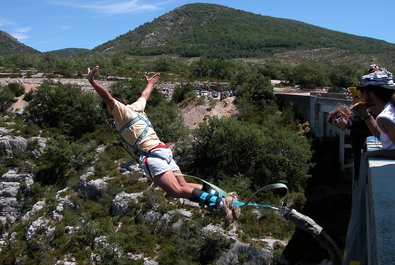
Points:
x=112, y=7
x=19, y=36
x=23, y=29
x=21, y=33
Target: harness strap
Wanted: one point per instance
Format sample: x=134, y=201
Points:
x=134, y=146
x=129, y=123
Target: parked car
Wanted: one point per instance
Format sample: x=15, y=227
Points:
x=214, y=94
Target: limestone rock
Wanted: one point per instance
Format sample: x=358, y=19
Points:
x=10, y=144
x=243, y=253
x=121, y=203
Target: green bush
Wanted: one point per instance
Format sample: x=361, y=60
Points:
x=6, y=97
x=17, y=89
x=66, y=107
x=224, y=148
x=54, y=165
x=311, y=75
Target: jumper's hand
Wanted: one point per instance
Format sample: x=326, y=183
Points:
x=93, y=72
x=153, y=79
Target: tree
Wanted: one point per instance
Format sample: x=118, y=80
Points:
x=66, y=107
x=6, y=96
x=344, y=75
x=55, y=163
x=224, y=149
x=310, y=75
x=182, y=93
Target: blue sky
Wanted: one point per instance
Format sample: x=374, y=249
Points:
x=47, y=25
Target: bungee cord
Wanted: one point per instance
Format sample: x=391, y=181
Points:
x=301, y=221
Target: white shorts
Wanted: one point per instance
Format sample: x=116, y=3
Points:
x=154, y=166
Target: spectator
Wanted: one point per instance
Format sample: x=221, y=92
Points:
x=377, y=90
x=343, y=118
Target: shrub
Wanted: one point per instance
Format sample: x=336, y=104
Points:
x=54, y=164
x=17, y=89
x=6, y=97
x=66, y=107
x=224, y=148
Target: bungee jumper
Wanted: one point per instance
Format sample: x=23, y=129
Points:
x=154, y=156
x=156, y=160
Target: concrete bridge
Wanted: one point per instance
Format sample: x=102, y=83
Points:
x=314, y=107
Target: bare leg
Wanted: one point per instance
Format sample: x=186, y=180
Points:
x=169, y=183
x=181, y=180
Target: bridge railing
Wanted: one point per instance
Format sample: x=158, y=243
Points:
x=371, y=233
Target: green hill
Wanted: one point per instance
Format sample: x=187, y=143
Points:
x=214, y=30
x=10, y=45
x=68, y=52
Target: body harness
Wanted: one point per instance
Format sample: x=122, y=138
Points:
x=135, y=147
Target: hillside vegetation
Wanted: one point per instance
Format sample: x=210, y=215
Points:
x=69, y=52
x=78, y=205
x=212, y=30
x=10, y=45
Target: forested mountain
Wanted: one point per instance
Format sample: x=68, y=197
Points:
x=10, y=45
x=219, y=31
x=68, y=52
x=212, y=30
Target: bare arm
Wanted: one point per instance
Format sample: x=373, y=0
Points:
x=387, y=127
x=102, y=91
x=150, y=85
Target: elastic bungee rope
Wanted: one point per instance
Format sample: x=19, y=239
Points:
x=299, y=220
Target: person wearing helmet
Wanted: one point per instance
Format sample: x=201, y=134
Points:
x=377, y=91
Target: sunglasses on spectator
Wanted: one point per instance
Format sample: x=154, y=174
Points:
x=337, y=120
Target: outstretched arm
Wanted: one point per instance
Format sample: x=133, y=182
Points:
x=150, y=85
x=102, y=91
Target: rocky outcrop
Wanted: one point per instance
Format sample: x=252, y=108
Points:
x=10, y=144
x=40, y=143
x=121, y=204
x=242, y=253
x=11, y=184
x=91, y=189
